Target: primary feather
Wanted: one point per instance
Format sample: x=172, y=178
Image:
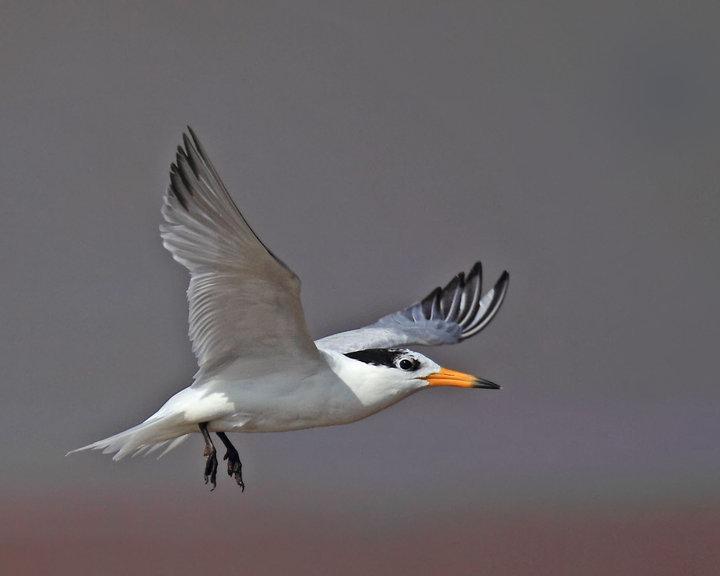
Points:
x=445, y=316
x=244, y=302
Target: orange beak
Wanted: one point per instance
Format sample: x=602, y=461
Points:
x=446, y=377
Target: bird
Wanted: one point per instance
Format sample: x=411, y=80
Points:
x=259, y=370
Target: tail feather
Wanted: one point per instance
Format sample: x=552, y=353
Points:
x=150, y=435
x=156, y=446
x=174, y=444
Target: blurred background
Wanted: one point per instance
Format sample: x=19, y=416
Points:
x=378, y=148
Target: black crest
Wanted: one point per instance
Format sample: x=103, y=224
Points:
x=377, y=356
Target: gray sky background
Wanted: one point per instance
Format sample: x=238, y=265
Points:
x=378, y=148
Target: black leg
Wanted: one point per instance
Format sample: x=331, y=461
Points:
x=233, y=458
x=211, y=463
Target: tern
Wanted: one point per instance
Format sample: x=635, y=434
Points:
x=259, y=368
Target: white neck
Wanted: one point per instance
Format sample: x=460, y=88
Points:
x=376, y=387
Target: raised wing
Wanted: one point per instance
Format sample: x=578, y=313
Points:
x=244, y=302
x=445, y=316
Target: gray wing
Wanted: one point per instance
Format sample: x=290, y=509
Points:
x=244, y=302
x=445, y=316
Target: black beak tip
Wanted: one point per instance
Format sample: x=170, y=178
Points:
x=486, y=384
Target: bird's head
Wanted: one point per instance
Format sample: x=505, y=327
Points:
x=406, y=369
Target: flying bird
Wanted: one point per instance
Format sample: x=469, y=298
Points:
x=259, y=368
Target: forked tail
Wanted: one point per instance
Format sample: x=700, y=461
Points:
x=145, y=438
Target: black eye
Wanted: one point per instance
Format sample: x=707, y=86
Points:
x=406, y=364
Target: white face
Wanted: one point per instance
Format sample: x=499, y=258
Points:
x=412, y=366
x=380, y=377
x=402, y=369
x=394, y=368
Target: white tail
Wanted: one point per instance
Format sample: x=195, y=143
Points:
x=147, y=437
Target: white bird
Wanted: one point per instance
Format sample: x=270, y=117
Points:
x=259, y=369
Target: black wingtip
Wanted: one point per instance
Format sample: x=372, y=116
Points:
x=428, y=303
x=176, y=186
x=503, y=282
x=498, y=291
x=180, y=154
x=458, y=279
x=196, y=141
x=186, y=143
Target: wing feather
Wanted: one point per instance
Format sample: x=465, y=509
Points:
x=244, y=302
x=445, y=316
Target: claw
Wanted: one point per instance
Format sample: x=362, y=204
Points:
x=234, y=466
x=211, y=466
x=211, y=463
